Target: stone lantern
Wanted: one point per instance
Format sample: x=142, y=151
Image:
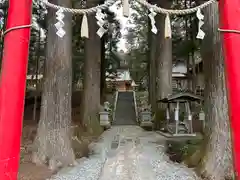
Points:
x=146, y=118
x=202, y=118
x=104, y=119
x=104, y=116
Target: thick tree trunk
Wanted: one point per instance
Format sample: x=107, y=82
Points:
x=216, y=163
x=164, y=71
x=53, y=140
x=92, y=67
x=152, y=43
x=149, y=62
x=152, y=70
x=163, y=64
x=164, y=57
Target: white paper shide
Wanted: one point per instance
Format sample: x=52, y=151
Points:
x=60, y=24
x=200, y=17
x=151, y=16
x=100, y=22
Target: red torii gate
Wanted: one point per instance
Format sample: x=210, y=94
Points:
x=14, y=69
x=229, y=19
x=12, y=86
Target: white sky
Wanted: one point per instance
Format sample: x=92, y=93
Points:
x=124, y=23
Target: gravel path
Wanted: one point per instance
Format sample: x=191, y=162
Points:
x=127, y=153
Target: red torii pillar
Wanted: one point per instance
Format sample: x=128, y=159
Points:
x=229, y=18
x=13, y=81
x=12, y=86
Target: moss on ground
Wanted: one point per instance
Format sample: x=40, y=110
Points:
x=181, y=151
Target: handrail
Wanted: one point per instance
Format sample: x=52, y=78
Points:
x=135, y=105
x=115, y=105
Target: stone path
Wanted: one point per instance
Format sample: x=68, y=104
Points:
x=127, y=153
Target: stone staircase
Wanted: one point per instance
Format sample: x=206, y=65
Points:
x=125, y=109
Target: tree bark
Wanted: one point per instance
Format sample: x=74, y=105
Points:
x=53, y=140
x=152, y=43
x=152, y=71
x=216, y=162
x=163, y=64
x=92, y=68
x=164, y=57
x=149, y=62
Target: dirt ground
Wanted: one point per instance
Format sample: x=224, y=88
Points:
x=28, y=170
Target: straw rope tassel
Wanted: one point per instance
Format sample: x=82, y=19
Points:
x=84, y=27
x=126, y=8
x=168, y=30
